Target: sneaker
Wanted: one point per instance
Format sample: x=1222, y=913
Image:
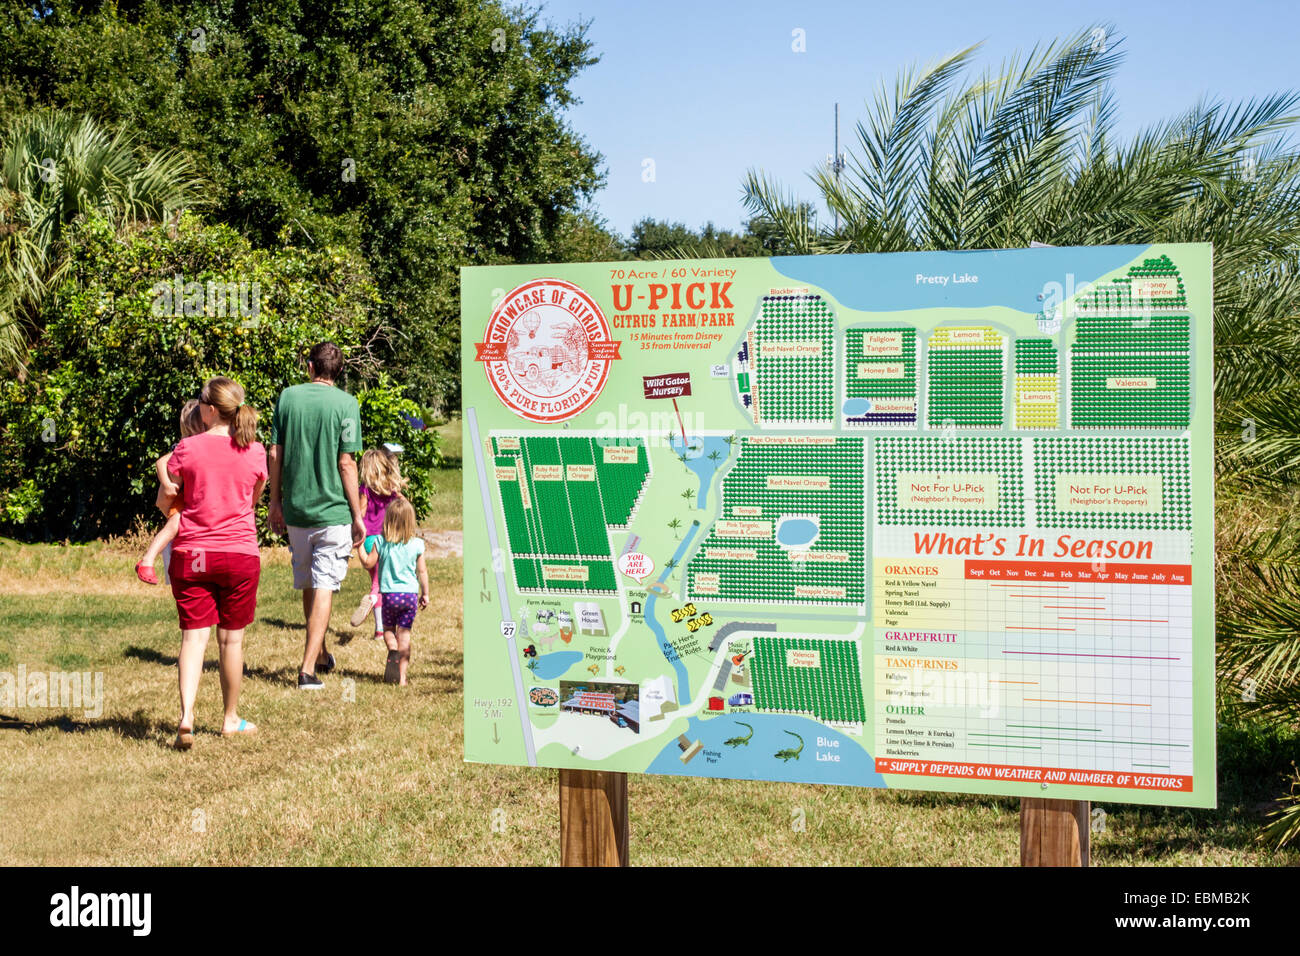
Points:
x=328, y=664
x=363, y=610
x=309, y=682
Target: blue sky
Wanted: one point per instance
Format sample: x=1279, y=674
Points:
x=708, y=89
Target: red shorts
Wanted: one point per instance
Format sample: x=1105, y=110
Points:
x=215, y=587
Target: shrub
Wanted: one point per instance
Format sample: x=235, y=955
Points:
x=122, y=351
x=386, y=416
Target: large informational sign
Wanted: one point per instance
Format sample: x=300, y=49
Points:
x=940, y=521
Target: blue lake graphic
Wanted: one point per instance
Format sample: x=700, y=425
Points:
x=796, y=532
x=757, y=760
x=551, y=666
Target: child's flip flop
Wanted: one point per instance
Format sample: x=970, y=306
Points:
x=245, y=729
x=364, y=610
x=145, y=573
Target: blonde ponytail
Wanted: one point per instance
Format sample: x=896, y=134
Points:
x=244, y=432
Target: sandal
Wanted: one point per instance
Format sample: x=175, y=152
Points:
x=392, y=669
x=145, y=573
x=184, y=738
x=363, y=610
x=245, y=729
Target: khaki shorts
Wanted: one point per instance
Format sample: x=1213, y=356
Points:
x=320, y=556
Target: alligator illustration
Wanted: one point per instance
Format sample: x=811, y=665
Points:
x=787, y=755
x=737, y=741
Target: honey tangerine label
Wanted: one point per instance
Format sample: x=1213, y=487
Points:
x=1161, y=287
x=547, y=350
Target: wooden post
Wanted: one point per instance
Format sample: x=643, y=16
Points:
x=593, y=818
x=1053, y=832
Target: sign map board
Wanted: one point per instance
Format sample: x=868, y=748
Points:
x=939, y=521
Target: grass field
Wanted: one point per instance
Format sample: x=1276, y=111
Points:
x=366, y=773
x=445, y=510
x=449, y=439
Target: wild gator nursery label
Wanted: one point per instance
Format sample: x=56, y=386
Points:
x=939, y=521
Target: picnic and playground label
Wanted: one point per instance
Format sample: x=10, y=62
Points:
x=937, y=521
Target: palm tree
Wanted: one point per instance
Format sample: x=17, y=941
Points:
x=674, y=525
x=1029, y=153
x=55, y=167
x=714, y=456
x=688, y=494
x=1026, y=155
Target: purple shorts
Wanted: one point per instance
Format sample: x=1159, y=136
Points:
x=399, y=609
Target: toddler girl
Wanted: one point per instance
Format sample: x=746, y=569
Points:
x=399, y=556
x=191, y=424
x=381, y=482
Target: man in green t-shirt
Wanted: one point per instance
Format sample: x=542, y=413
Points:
x=315, y=432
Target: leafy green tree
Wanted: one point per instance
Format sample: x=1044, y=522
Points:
x=652, y=239
x=55, y=167
x=584, y=236
x=424, y=136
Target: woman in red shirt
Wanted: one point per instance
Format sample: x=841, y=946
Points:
x=221, y=473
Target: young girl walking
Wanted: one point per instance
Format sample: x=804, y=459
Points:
x=399, y=556
x=191, y=424
x=381, y=482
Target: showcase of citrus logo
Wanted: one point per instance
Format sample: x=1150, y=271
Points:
x=547, y=350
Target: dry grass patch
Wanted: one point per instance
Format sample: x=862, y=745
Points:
x=364, y=773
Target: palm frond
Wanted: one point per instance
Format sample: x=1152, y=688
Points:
x=793, y=221
x=1284, y=822
x=54, y=168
